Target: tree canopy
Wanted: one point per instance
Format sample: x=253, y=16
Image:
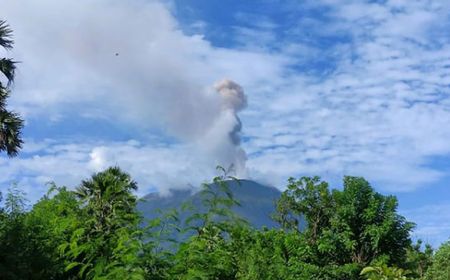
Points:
x=95, y=232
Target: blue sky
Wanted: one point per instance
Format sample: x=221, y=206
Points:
x=334, y=88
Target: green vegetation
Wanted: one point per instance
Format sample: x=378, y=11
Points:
x=95, y=232
x=440, y=269
x=385, y=273
x=10, y=122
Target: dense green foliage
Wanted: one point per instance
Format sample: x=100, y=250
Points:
x=418, y=260
x=95, y=232
x=10, y=122
x=355, y=225
x=440, y=269
x=385, y=273
x=106, y=243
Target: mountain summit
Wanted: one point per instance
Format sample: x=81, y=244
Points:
x=257, y=202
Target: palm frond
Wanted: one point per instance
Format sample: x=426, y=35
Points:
x=8, y=68
x=5, y=35
x=4, y=94
x=10, y=133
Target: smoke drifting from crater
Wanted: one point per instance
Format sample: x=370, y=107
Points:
x=233, y=96
x=233, y=100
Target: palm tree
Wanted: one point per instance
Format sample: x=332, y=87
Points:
x=11, y=123
x=108, y=199
x=106, y=244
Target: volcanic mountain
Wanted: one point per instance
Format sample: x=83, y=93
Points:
x=257, y=202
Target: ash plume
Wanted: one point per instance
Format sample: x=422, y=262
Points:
x=233, y=100
x=233, y=96
x=152, y=82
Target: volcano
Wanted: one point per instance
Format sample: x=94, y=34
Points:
x=257, y=202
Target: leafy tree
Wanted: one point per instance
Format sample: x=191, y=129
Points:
x=276, y=254
x=50, y=223
x=308, y=199
x=356, y=225
x=29, y=240
x=385, y=273
x=366, y=226
x=419, y=260
x=440, y=269
x=10, y=122
x=13, y=242
x=106, y=244
x=264, y=254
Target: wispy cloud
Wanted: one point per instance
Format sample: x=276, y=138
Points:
x=433, y=223
x=351, y=88
x=382, y=112
x=156, y=167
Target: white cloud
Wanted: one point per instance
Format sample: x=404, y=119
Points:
x=382, y=113
x=381, y=110
x=156, y=167
x=129, y=63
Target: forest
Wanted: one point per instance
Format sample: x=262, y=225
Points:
x=96, y=232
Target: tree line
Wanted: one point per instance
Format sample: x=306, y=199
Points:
x=96, y=232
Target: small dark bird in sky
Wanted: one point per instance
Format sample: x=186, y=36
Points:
x=117, y=54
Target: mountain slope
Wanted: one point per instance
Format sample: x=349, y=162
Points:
x=257, y=202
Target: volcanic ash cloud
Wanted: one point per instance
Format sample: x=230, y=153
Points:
x=223, y=139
